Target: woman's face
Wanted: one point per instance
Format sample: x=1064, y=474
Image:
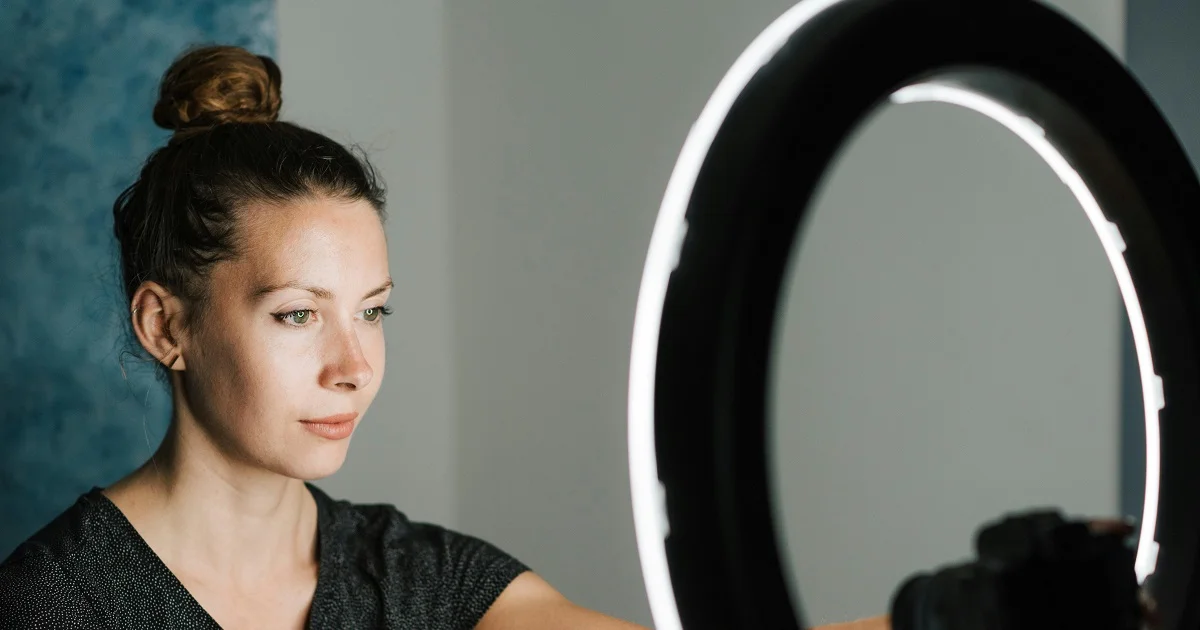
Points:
x=292, y=333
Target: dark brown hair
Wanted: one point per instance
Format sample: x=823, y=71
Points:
x=228, y=152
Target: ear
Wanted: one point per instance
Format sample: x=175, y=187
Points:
x=158, y=319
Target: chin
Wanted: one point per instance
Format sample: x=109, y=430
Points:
x=317, y=463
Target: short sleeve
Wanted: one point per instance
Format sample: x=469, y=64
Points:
x=381, y=570
x=474, y=573
x=36, y=594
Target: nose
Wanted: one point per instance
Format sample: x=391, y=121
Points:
x=347, y=369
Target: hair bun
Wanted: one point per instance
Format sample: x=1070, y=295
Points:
x=214, y=85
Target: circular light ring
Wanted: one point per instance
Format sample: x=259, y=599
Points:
x=1116, y=192
x=729, y=219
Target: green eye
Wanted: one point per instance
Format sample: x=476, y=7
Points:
x=375, y=315
x=297, y=318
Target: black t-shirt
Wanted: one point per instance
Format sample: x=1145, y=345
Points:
x=89, y=568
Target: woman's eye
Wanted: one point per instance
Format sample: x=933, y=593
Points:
x=376, y=314
x=296, y=318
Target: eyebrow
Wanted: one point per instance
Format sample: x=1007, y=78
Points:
x=319, y=292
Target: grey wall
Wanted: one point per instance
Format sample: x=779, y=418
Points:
x=78, y=81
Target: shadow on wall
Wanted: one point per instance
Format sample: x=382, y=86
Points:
x=77, y=84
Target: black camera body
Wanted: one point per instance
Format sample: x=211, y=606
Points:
x=1035, y=570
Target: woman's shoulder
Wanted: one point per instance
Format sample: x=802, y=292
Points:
x=66, y=536
x=35, y=591
x=423, y=569
x=37, y=585
x=372, y=521
x=384, y=529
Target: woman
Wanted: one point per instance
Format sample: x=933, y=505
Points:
x=254, y=260
x=255, y=264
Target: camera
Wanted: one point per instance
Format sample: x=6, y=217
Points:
x=1034, y=570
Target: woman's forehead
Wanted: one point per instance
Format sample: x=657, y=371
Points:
x=337, y=245
x=312, y=228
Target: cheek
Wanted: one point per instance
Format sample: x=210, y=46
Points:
x=375, y=350
x=253, y=369
x=285, y=361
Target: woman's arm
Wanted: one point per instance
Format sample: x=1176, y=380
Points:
x=530, y=603
x=874, y=623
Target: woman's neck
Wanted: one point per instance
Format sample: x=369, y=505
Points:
x=212, y=518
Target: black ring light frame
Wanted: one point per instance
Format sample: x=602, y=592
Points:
x=731, y=213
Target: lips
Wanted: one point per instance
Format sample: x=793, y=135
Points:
x=338, y=419
x=338, y=427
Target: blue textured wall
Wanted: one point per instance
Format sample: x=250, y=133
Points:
x=77, y=84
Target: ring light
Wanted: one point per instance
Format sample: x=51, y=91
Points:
x=731, y=214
